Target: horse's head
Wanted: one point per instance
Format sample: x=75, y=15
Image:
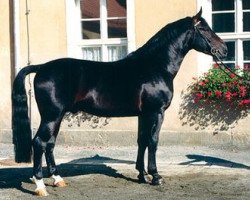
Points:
x=205, y=40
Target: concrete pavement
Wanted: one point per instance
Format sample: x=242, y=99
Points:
x=167, y=156
x=190, y=172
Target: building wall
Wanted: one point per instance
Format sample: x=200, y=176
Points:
x=48, y=40
x=47, y=31
x=5, y=70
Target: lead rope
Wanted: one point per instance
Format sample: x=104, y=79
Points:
x=217, y=60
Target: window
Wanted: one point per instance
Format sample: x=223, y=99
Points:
x=104, y=29
x=231, y=21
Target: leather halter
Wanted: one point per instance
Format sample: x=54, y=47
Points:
x=214, y=52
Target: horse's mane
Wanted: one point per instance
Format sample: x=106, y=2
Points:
x=166, y=36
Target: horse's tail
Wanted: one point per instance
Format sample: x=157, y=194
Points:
x=21, y=129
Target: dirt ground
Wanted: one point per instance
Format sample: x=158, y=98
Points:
x=97, y=173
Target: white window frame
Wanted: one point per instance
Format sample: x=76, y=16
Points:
x=75, y=42
x=204, y=62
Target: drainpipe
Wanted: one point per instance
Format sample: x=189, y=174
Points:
x=15, y=45
x=16, y=35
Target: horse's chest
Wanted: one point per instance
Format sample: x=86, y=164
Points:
x=156, y=96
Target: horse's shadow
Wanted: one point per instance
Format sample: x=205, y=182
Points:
x=94, y=165
x=14, y=177
x=212, y=161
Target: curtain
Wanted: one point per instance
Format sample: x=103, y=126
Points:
x=92, y=53
x=116, y=52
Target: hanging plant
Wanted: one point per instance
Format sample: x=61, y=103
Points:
x=216, y=100
x=217, y=85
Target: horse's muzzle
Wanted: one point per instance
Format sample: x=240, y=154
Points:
x=220, y=53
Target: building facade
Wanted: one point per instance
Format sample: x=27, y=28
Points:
x=35, y=32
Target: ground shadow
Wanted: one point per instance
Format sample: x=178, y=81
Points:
x=220, y=115
x=93, y=165
x=212, y=161
x=13, y=177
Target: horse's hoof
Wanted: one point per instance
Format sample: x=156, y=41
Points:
x=60, y=184
x=58, y=181
x=41, y=192
x=143, y=178
x=157, y=180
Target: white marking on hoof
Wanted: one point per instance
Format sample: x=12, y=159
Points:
x=41, y=192
x=40, y=187
x=58, y=181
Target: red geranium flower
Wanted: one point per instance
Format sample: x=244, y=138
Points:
x=243, y=91
x=209, y=93
x=199, y=95
x=235, y=94
x=246, y=101
x=218, y=93
x=232, y=75
x=228, y=96
x=202, y=83
x=216, y=66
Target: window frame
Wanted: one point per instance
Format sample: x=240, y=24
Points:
x=75, y=42
x=238, y=36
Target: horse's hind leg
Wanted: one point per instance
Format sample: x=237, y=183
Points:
x=44, y=142
x=50, y=160
x=39, y=147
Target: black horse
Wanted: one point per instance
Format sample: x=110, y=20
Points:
x=140, y=85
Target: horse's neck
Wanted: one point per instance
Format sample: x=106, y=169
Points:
x=166, y=50
x=175, y=52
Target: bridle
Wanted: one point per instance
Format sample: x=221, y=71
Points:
x=214, y=52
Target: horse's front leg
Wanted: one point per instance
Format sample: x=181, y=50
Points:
x=142, y=145
x=154, y=129
x=148, y=136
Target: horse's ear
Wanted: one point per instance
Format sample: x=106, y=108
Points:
x=197, y=17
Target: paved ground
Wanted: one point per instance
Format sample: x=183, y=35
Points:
x=108, y=173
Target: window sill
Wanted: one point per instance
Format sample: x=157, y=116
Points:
x=232, y=36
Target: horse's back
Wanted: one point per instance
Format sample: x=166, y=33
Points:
x=100, y=88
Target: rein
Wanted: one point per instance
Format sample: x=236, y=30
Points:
x=218, y=61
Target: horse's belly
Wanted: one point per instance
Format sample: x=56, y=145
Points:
x=106, y=107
